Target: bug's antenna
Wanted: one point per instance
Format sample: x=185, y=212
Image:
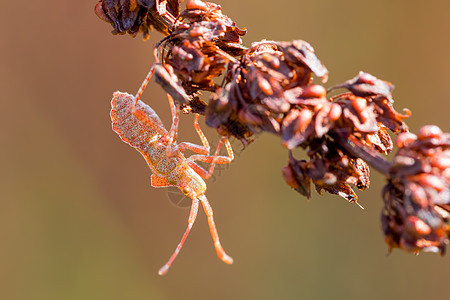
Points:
x=191, y=220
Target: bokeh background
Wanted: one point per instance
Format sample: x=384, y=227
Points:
x=79, y=219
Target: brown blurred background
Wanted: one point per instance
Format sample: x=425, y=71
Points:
x=79, y=219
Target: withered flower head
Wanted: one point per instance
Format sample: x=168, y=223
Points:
x=198, y=11
x=365, y=118
x=262, y=87
x=201, y=44
x=416, y=213
x=330, y=168
x=133, y=16
x=324, y=127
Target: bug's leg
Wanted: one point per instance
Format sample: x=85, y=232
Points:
x=212, y=159
x=173, y=132
x=191, y=220
x=201, y=134
x=212, y=228
x=144, y=84
x=203, y=152
x=199, y=149
x=142, y=115
x=204, y=149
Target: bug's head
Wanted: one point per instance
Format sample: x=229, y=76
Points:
x=192, y=185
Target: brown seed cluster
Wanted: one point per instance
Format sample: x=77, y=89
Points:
x=416, y=213
x=323, y=127
x=202, y=43
x=133, y=16
x=260, y=90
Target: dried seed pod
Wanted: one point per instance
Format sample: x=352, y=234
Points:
x=341, y=189
x=380, y=140
x=404, y=139
x=387, y=115
x=297, y=127
x=365, y=85
x=301, y=52
x=295, y=175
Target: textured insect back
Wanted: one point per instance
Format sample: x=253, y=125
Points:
x=128, y=127
x=416, y=213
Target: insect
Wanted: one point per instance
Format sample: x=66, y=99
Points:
x=138, y=125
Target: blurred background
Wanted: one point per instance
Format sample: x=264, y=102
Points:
x=79, y=219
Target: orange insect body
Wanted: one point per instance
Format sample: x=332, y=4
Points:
x=167, y=171
x=138, y=125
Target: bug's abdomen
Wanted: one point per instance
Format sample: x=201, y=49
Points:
x=162, y=165
x=130, y=129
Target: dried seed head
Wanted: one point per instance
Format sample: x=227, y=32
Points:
x=200, y=47
x=417, y=197
x=314, y=122
x=133, y=16
x=331, y=170
x=266, y=77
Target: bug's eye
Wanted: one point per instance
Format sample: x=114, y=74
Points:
x=186, y=191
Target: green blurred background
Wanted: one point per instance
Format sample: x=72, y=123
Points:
x=79, y=219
